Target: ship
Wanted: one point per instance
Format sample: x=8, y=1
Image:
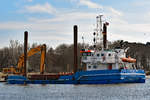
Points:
x=99, y=65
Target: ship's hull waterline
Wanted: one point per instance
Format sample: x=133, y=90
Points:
x=88, y=77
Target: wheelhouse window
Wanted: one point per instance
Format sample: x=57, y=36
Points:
x=89, y=53
x=86, y=54
x=102, y=54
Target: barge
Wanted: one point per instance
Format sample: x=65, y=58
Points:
x=99, y=66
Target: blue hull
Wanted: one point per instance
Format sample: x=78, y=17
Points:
x=88, y=77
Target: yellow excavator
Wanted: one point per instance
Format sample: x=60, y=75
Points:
x=20, y=66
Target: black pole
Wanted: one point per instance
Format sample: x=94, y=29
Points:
x=25, y=52
x=75, y=48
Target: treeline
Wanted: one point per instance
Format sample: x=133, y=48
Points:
x=61, y=58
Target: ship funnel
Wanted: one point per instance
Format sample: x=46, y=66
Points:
x=75, y=48
x=105, y=35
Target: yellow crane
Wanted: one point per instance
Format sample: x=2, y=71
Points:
x=20, y=65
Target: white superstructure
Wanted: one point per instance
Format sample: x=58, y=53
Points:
x=105, y=58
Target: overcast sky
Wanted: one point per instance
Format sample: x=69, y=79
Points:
x=51, y=21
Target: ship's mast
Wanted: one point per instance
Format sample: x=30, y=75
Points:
x=98, y=29
x=83, y=42
x=100, y=34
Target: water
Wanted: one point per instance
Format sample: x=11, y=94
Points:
x=76, y=92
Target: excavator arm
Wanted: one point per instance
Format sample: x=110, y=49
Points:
x=31, y=52
x=43, y=55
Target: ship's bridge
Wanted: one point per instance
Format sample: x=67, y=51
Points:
x=104, y=59
x=103, y=56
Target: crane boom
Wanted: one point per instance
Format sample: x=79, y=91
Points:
x=31, y=52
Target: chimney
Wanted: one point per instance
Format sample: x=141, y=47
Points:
x=105, y=35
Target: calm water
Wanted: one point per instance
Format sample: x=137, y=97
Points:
x=76, y=92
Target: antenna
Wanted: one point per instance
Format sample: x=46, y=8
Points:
x=99, y=25
x=83, y=42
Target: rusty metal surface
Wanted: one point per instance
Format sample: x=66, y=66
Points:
x=43, y=77
x=48, y=76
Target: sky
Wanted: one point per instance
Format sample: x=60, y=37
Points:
x=52, y=21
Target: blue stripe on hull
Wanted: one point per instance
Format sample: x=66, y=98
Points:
x=89, y=77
